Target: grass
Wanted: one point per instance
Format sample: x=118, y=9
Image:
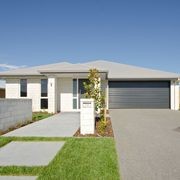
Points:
x=80, y=158
x=21, y=170
x=84, y=158
x=40, y=115
x=4, y=141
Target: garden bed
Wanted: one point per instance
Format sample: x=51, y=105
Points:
x=106, y=132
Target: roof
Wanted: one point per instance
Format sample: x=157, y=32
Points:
x=115, y=70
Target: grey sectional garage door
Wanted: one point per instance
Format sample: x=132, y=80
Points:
x=139, y=94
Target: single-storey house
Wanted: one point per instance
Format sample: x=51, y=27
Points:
x=2, y=92
x=59, y=87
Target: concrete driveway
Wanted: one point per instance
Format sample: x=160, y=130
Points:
x=64, y=124
x=148, y=143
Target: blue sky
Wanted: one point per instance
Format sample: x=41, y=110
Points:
x=143, y=32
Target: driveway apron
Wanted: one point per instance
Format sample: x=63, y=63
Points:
x=148, y=143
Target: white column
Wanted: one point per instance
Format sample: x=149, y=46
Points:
x=174, y=95
x=107, y=95
x=52, y=95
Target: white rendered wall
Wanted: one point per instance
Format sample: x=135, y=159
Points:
x=65, y=90
x=58, y=94
x=61, y=97
x=12, y=88
x=33, y=91
x=52, y=99
x=174, y=95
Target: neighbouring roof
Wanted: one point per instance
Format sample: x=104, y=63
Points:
x=115, y=70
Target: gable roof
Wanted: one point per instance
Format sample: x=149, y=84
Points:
x=115, y=70
x=124, y=71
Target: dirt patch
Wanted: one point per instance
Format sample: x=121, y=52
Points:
x=108, y=131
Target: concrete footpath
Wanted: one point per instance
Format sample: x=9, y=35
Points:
x=29, y=153
x=60, y=125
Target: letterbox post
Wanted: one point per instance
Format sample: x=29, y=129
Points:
x=87, y=116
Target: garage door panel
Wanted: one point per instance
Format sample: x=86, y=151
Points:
x=139, y=89
x=139, y=94
x=118, y=93
x=126, y=90
x=140, y=106
x=128, y=96
x=126, y=100
x=139, y=84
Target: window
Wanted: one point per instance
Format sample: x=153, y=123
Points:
x=78, y=92
x=74, y=103
x=23, y=87
x=75, y=85
x=81, y=89
x=44, y=88
x=44, y=94
x=44, y=103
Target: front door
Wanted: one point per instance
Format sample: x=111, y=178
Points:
x=78, y=92
x=81, y=89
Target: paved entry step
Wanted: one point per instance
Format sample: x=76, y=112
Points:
x=19, y=153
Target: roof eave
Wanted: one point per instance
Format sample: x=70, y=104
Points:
x=19, y=75
x=67, y=71
x=149, y=78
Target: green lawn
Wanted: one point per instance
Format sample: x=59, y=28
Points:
x=40, y=115
x=80, y=158
x=4, y=141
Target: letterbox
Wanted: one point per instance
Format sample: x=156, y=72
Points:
x=87, y=116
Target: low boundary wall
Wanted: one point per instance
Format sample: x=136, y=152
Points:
x=14, y=112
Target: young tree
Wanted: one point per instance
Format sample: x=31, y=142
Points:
x=93, y=90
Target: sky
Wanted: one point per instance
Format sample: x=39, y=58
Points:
x=143, y=32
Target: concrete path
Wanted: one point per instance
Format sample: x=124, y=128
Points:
x=59, y=125
x=148, y=143
x=18, y=177
x=29, y=153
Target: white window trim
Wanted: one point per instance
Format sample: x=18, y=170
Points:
x=43, y=97
x=77, y=95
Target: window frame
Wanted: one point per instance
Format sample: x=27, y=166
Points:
x=21, y=86
x=46, y=87
x=43, y=97
x=41, y=103
x=75, y=95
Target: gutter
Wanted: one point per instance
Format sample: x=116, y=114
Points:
x=67, y=71
x=144, y=79
x=14, y=76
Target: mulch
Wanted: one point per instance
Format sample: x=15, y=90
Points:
x=108, y=132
